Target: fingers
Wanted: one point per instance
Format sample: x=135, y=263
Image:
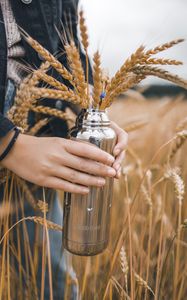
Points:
x=118, y=175
x=118, y=161
x=60, y=184
x=89, y=166
x=89, y=151
x=117, y=164
x=122, y=139
x=74, y=176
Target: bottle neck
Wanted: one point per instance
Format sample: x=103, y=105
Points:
x=93, y=118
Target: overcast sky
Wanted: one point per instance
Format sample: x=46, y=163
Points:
x=118, y=27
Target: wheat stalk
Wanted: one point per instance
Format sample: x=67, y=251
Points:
x=37, y=220
x=135, y=126
x=27, y=192
x=174, y=176
x=41, y=123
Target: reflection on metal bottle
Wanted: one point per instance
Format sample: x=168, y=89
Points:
x=87, y=217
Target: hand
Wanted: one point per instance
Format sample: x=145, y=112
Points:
x=59, y=163
x=121, y=145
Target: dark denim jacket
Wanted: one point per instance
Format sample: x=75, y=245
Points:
x=40, y=18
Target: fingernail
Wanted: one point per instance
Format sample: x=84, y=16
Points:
x=119, y=173
x=117, y=151
x=117, y=167
x=101, y=182
x=85, y=190
x=111, y=172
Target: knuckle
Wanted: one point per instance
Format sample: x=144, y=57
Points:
x=83, y=166
x=41, y=179
x=100, y=169
x=73, y=176
x=59, y=141
x=45, y=167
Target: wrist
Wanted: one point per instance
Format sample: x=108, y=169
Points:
x=8, y=146
x=5, y=140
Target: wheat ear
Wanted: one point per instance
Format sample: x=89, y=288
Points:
x=52, y=81
x=85, y=43
x=69, y=95
x=49, y=58
x=97, y=79
x=181, y=125
x=160, y=61
x=143, y=283
x=51, y=111
x=180, y=140
x=50, y=224
x=76, y=69
x=126, y=67
x=163, y=47
x=121, y=88
x=154, y=71
x=178, y=183
x=83, y=31
x=24, y=99
x=124, y=265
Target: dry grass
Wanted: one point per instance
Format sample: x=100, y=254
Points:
x=143, y=259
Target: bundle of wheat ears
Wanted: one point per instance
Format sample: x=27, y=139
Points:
x=137, y=67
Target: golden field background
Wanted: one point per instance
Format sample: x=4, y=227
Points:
x=149, y=207
x=147, y=257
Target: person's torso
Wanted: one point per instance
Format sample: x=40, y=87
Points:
x=41, y=19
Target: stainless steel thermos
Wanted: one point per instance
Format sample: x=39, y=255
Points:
x=87, y=217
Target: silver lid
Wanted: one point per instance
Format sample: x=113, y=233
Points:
x=93, y=118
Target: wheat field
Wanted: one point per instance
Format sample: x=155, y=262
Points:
x=146, y=257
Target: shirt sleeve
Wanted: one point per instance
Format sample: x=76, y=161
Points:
x=5, y=125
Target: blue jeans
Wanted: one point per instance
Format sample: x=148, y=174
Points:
x=60, y=268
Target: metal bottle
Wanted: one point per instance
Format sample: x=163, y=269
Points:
x=87, y=217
